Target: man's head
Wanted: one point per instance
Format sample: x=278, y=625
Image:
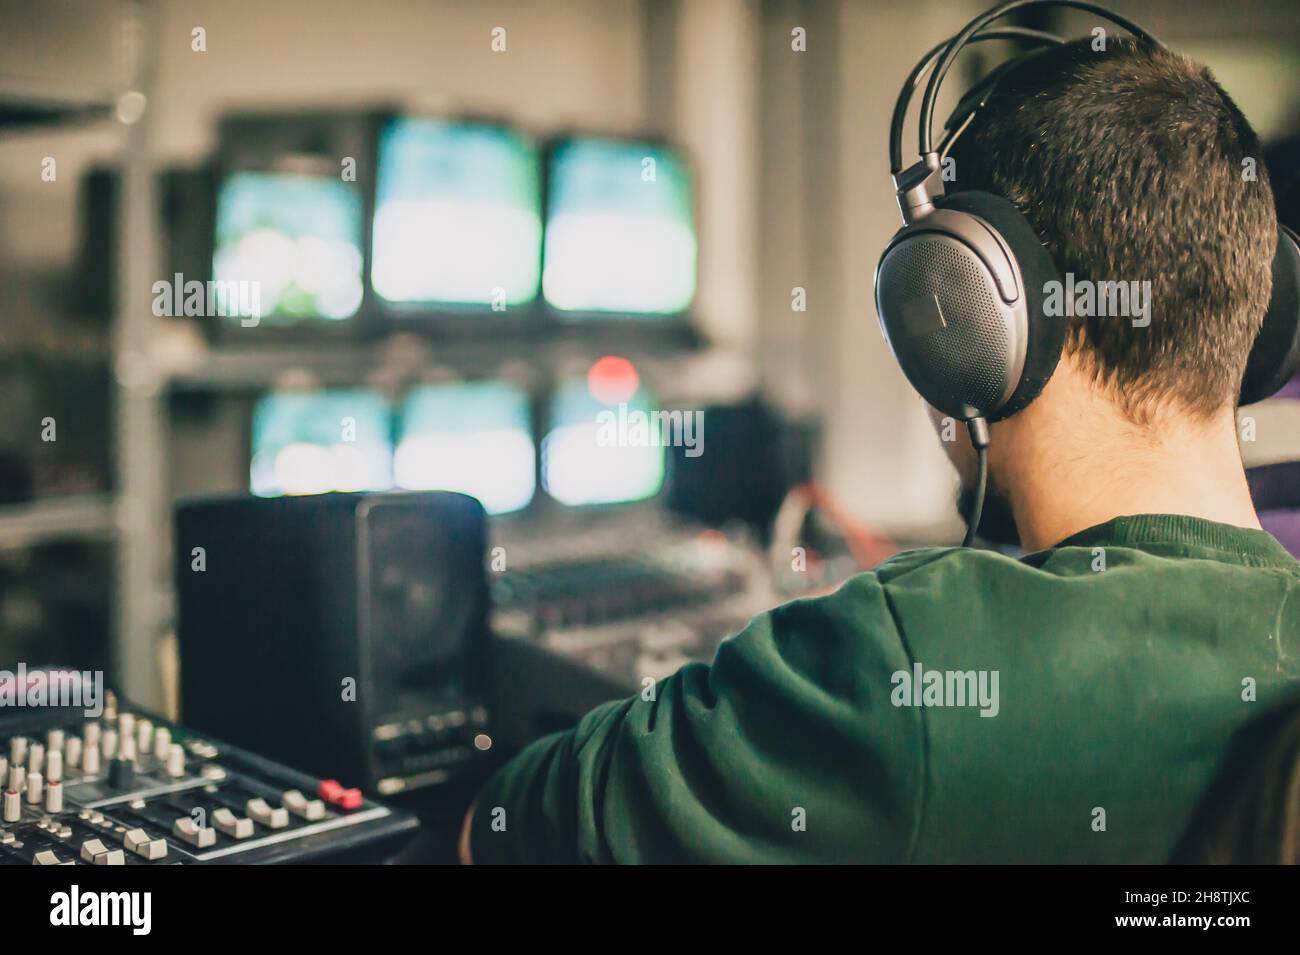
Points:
x=1133, y=166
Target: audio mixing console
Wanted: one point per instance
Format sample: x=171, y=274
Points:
x=636, y=606
x=129, y=789
x=598, y=613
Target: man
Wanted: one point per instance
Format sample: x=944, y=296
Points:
x=958, y=705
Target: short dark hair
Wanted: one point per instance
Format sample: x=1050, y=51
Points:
x=1131, y=164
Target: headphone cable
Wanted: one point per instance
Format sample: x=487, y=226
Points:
x=978, y=429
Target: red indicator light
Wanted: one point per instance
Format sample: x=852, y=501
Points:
x=613, y=380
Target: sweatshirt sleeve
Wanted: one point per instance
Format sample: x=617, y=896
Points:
x=786, y=749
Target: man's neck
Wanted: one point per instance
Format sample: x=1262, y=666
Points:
x=1099, y=466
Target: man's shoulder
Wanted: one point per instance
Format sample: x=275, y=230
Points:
x=931, y=587
x=911, y=561
x=868, y=604
x=949, y=564
x=946, y=567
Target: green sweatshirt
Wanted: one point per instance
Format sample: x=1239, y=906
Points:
x=950, y=706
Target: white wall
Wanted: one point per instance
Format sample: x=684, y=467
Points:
x=577, y=62
x=715, y=118
x=882, y=455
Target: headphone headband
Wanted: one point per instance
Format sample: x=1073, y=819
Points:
x=919, y=71
x=974, y=32
x=962, y=38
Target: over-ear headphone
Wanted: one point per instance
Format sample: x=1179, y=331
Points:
x=958, y=287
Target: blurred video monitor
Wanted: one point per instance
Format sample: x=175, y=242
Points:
x=600, y=446
x=472, y=437
x=457, y=216
x=288, y=248
x=620, y=229
x=319, y=441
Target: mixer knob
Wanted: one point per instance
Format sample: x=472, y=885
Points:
x=109, y=744
x=4, y=770
x=126, y=725
x=138, y=841
x=35, y=788
x=202, y=749
x=54, y=767
x=94, y=850
x=126, y=748
x=17, y=778
x=198, y=836
x=13, y=810
x=36, y=758
x=46, y=857
x=162, y=742
x=232, y=825
x=176, y=761
x=300, y=805
x=54, y=740
x=92, y=733
x=144, y=737
x=276, y=818
x=72, y=751
x=54, y=796
x=90, y=760
x=18, y=750
x=121, y=773
x=333, y=792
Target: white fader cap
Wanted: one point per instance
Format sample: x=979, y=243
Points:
x=176, y=761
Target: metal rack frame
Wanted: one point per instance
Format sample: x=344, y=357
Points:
x=136, y=513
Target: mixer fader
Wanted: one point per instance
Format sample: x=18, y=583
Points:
x=129, y=789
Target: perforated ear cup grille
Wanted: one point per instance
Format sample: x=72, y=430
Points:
x=1045, y=334
x=958, y=354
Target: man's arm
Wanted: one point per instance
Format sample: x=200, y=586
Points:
x=786, y=749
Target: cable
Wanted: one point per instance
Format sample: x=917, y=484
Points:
x=979, y=439
x=981, y=486
x=867, y=545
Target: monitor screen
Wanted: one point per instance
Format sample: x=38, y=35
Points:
x=457, y=216
x=601, y=446
x=288, y=248
x=319, y=441
x=472, y=437
x=620, y=229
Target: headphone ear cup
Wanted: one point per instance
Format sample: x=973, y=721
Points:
x=940, y=298
x=1275, y=356
x=1045, y=334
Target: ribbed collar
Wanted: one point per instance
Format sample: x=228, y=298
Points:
x=1179, y=530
